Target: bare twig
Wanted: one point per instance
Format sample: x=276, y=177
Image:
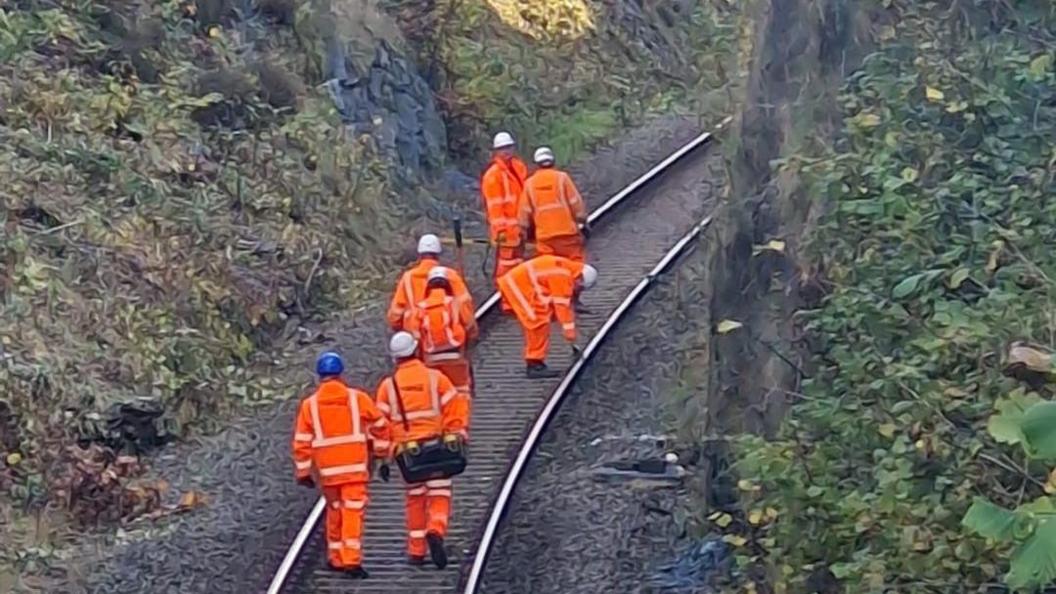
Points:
x=311, y=275
x=51, y=230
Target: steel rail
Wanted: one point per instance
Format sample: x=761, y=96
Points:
x=513, y=477
x=282, y=573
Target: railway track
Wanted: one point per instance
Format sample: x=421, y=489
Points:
x=510, y=412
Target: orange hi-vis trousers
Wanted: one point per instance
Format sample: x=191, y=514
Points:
x=428, y=506
x=456, y=370
x=536, y=343
x=566, y=246
x=345, y=505
x=506, y=258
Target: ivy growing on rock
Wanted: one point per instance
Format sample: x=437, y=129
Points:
x=917, y=457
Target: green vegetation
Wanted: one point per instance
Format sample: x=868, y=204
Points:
x=568, y=73
x=933, y=337
x=171, y=202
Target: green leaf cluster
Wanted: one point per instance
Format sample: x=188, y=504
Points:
x=937, y=248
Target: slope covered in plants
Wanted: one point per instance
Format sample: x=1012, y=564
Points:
x=175, y=196
x=570, y=72
x=908, y=448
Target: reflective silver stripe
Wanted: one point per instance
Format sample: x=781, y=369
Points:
x=352, y=543
x=416, y=414
x=463, y=433
x=302, y=437
x=338, y=440
x=450, y=395
x=561, y=300
x=379, y=423
x=439, y=493
x=353, y=504
x=313, y=405
x=552, y=271
x=381, y=444
x=384, y=407
x=334, y=546
x=353, y=409
x=335, y=504
x=434, y=357
x=438, y=483
x=570, y=326
x=416, y=533
x=507, y=281
x=535, y=282
x=416, y=491
x=462, y=387
x=434, y=391
x=342, y=469
x=408, y=288
x=303, y=465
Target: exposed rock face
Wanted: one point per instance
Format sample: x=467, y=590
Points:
x=391, y=102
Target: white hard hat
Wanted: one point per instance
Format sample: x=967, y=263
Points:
x=502, y=140
x=590, y=276
x=543, y=154
x=402, y=344
x=436, y=272
x=429, y=244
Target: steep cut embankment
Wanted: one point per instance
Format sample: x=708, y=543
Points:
x=905, y=310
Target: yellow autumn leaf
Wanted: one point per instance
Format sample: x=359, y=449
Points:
x=715, y=516
x=887, y=430
x=14, y=458
x=724, y=520
x=735, y=540
x=934, y=94
x=746, y=485
x=1050, y=485
x=727, y=326
x=214, y=31
x=755, y=517
x=868, y=120
x=771, y=514
x=909, y=174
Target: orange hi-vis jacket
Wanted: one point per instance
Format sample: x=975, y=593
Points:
x=330, y=436
x=552, y=204
x=440, y=328
x=501, y=187
x=543, y=287
x=432, y=404
x=411, y=289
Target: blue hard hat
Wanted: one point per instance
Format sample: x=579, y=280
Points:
x=329, y=363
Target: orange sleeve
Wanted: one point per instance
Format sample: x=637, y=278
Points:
x=454, y=408
x=524, y=207
x=491, y=193
x=381, y=399
x=303, y=434
x=466, y=308
x=377, y=425
x=399, y=305
x=575, y=201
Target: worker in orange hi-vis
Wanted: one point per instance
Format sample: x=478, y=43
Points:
x=500, y=188
x=444, y=330
x=553, y=206
x=411, y=287
x=336, y=429
x=539, y=290
x=422, y=404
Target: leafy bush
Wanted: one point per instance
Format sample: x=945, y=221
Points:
x=145, y=255
x=937, y=248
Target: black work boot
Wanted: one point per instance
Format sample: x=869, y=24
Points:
x=539, y=370
x=416, y=560
x=436, y=549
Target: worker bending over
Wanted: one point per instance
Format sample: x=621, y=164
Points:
x=411, y=287
x=501, y=188
x=422, y=404
x=330, y=448
x=552, y=205
x=539, y=290
x=444, y=331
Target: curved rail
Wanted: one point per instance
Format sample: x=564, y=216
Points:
x=282, y=573
x=498, y=510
